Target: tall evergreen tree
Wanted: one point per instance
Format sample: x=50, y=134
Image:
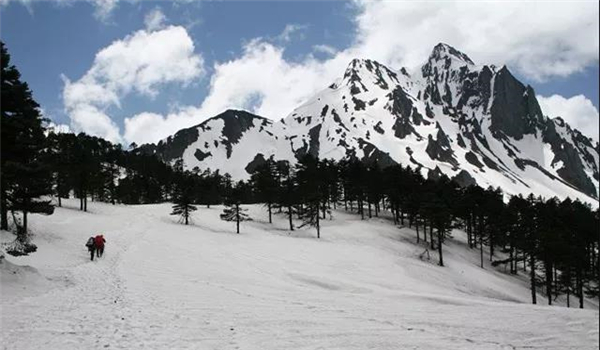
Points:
x=26, y=179
x=309, y=174
x=265, y=183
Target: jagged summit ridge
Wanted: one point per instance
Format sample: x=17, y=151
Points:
x=443, y=51
x=473, y=123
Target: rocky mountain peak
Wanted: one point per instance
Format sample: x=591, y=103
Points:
x=361, y=73
x=443, y=51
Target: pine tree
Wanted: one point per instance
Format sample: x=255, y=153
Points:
x=26, y=179
x=233, y=210
x=287, y=196
x=182, y=200
x=311, y=185
x=265, y=182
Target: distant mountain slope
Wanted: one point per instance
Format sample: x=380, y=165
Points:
x=233, y=142
x=476, y=124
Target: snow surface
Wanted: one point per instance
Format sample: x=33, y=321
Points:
x=162, y=285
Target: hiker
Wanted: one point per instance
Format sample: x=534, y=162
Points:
x=99, y=245
x=90, y=247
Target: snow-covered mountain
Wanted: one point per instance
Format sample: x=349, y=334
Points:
x=477, y=124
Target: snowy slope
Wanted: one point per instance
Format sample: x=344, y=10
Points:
x=474, y=123
x=164, y=285
x=233, y=142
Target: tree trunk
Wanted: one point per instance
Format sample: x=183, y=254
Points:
x=469, y=232
x=3, y=211
x=532, y=277
x=491, y=244
x=59, y=202
x=269, y=206
x=318, y=228
x=548, y=270
x=579, y=287
x=290, y=217
x=237, y=217
x=439, y=243
x=369, y=202
x=481, y=239
x=430, y=236
x=417, y=227
x=568, y=269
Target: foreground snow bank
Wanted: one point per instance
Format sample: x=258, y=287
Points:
x=163, y=285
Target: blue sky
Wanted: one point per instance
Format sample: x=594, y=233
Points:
x=237, y=43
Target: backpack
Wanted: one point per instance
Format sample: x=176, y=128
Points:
x=90, y=242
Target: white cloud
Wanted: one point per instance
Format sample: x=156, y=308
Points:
x=261, y=80
x=155, y=20
x=104, y=8
x=326, y=49
x=58, y=128
x=539, y=39
x=578, y=111
x=149, y=127
x=139, y=63
x=291, y=30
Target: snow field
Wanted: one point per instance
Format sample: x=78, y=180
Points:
x=162, y=285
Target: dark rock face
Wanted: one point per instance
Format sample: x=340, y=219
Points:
x=515, y=110
x=375, y=156
x=472, y=158
x=572, y=170
x=401, y=107
x=476, y=89
x=236, y=124
x=201, y=155
x=440, y=149
x=313, y=145
x=174, y=146
x=359, y=105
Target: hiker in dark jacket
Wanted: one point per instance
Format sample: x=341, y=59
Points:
x=99, y=245
x=90, y=247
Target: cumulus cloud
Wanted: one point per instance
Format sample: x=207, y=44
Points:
x=539, y=39
x=578, y=111
x=155, y=20
x=560, y=39
x=139, y=63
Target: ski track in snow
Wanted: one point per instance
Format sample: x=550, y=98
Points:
x=162, y=285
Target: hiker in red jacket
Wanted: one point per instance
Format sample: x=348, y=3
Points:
x=99, y=245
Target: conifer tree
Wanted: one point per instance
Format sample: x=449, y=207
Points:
x=310, y=176
x=233, y=210
x=26, y=179
x=286, y=198
x=264, y=181
x=183, y=206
